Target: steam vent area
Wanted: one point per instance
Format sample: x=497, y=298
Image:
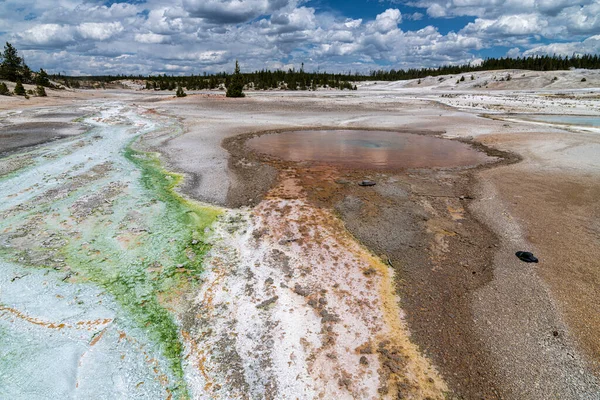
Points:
x=404, y=240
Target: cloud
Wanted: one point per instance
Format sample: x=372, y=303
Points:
x=387, y=20
x=514, y=52
x=48, y=35
x=191, y=36
x=590, y=45
x=496, y=8
x=231, y=11
x=93, y=13
x=52, y=35
x=298, y=19
x=151, y=38
x=436, y=11
x=99, y=31
x=510, y=25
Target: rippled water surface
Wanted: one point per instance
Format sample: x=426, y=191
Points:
x=368, y=149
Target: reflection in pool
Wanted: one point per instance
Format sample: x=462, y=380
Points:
x=368, y=149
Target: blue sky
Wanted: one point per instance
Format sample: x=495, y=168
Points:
x=193, y=36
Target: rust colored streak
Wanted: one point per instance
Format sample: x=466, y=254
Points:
x=51, y=325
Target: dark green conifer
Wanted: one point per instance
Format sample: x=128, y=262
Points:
x=180, y=92
x=4, y=89
x=19, y=89
x=236, y=83
x=40, y=91
x=12, y=67
x=42, y=78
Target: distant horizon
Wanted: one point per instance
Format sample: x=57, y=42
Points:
x=443, y=69
x=185, y=37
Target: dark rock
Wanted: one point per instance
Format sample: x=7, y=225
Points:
x=268, y=302
x=365, y=348
x=526, y=256
x=301, y=291
x=367, y=183
x=369, y=271
x=364, y=361
x=326, y=316
x=287, y=241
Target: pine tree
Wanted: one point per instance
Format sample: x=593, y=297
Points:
x=40, y=91
x=19, y=89
x=180, y=92
x=4, y=89
x=42, y=78
x=236, y=84
x=12, y=67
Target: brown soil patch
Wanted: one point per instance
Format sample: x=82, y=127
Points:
x=564, y=229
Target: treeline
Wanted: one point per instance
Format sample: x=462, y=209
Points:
x=532, y=63
x=293, y=79
x=259, y=80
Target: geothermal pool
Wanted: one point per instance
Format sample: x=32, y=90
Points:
x=581, y=120
x=368, y=149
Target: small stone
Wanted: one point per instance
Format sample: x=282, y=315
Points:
x=328, y=317
x=364, y=361
x=369, y=271
x=301, y=291
x=268, y=302
x=367, y=183
x=526, y=256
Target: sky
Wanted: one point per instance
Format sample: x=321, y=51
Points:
x=182, y=37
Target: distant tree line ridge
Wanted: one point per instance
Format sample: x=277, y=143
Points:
x=293, y=79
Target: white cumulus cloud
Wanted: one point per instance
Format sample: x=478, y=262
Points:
x=99, y=30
